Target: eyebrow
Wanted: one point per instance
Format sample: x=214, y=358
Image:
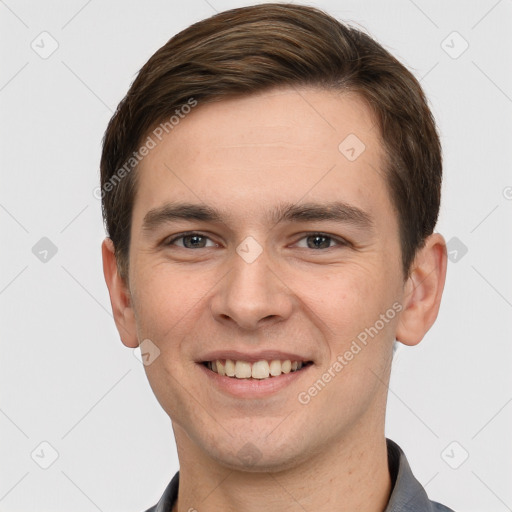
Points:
x=337, y=211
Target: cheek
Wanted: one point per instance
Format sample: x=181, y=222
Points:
x=166, y=305
x=170, y=311
x=359, y=321
x=344, y=301
x=165, y=298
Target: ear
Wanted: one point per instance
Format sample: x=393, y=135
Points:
x=119, y=296
x=423, y=290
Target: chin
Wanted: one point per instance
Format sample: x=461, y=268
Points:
x=257, y=456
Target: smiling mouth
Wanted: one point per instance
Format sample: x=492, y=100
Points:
x=259, y=370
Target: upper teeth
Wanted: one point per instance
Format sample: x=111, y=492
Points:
x=258, y=370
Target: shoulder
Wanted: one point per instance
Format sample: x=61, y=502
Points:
x=437, y=507
x=169, y=497
x=407, y=493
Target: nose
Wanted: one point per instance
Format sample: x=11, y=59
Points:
x=253, y=293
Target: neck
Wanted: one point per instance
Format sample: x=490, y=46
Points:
x=352, y=475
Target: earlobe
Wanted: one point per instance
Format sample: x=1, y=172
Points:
x=119, y=296
x=423, y=290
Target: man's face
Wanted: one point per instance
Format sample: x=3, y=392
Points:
x=256, y=284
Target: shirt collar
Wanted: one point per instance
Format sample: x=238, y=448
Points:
x=408, y=494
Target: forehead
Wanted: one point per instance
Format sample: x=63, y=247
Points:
x=252, y=150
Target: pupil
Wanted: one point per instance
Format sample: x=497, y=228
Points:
x=317, y=238
x=194, y=239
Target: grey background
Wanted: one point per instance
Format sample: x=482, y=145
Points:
x=66, y=379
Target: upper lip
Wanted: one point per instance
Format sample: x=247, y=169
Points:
x=267, y=355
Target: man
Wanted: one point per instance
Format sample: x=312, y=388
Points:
x=270, y=185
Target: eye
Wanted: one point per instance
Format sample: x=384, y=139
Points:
x=192, y=241
x=195, y=240
x=321, y=241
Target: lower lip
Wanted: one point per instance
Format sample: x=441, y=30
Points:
x=253, y=388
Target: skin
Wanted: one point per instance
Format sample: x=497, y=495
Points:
x=244, y=156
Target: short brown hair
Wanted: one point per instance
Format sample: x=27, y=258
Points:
x=251, y=49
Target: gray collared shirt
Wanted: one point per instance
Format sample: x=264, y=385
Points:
x=407, y=495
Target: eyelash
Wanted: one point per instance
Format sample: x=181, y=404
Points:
x=340, y=241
